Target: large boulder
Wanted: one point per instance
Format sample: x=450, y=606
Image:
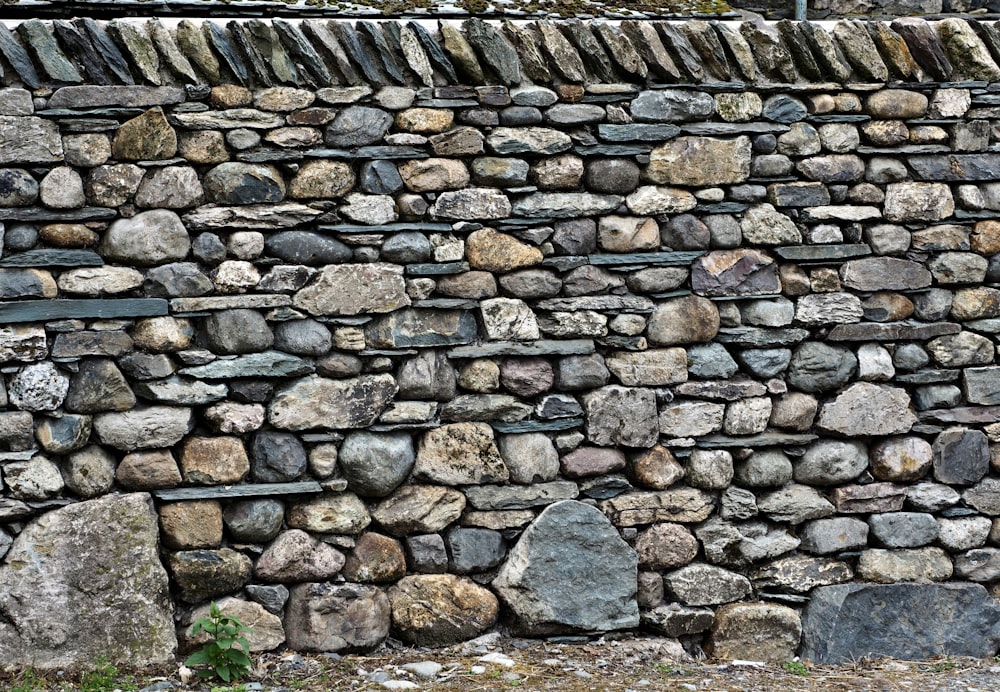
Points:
x=848, y=622
x=552, y=583
x=85, y=582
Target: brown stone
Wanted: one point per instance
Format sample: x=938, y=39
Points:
x=460, y=454
x=187, y=525
x=419, y=509
x=431, y=175
x=656, y=468
x=473, y=285
x=592, y=461
x=214, y=460
x=665, y=546
x=440, y=609
x=203, y=146
x=149, y=137
x=375, y=558
x=491, y=251
x=755, y=631
x=869, y=499
x=75, y=235
x=986, y=237
x=150, y=470
x=424, y=121
x=321, y=180
x=687, y=320
x=230, y=96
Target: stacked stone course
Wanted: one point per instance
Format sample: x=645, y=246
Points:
x=572, y=327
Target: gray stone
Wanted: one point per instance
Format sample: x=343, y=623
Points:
x=304, y=247
x=547, y=596
x=63, y=435
x=961, y=456
x=99, y=386
x=357, y=126
x=903, y=529
x=38, y=387
x=277, y=457
x=868, y=409
x=621, y=416
x=817, y=367
x=36, y=479
x=143, y=428
x=68, y=632
x=28, y=139
x=850, y=621
x=831, y=462
x=826, y=536
x=336, y=617
x=150, y=238
x=316, y=402
x=238, y=331
x=473, y=550
x=801, y=574
x=303, y=337
x=17, y=188
x=254, y=521
x=671, y=105
x=701, y=585
x=700, y=161
x=794, y=504
x=374, y=464
x=352, y=289
x=294, y=555
x=884, y=274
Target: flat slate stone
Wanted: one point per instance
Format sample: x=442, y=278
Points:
x=538, y=425
x=822, y=253
x=18, y=59
x=756, y=441
x=42, y=43
x=298, y=45
x=45, y=311
x=639, y=304
x=437, y=268
x=637, y=132
x=125, y=96
x=237, y=491
x=53, y=258
x=891, y=331
x=262, y=301
x=849, y=622
x=966, y=414
x=956, y=167
x=386, y=228
x=265, y=364
x=724, y=129
x=657, y=259
x=81, y=49
x=113, y=58
x=39, y=214
x=929, y=377
x=542, y=347
x=761, y=337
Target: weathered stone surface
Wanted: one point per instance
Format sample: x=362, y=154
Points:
x=351, y=289
x=335, y=512
x=846, y=621
x=542, y=599
x=801, y=574
x=265, y=631
x=316, y=402
x=419, y=509
x=960, y=456
x=148, y=137
x=460, y=453
x=758, y=631
x=440, y=609
x=621, y=416
x=296, y=556
x=28, y=139
x=700, y=161
x=700, y=584
x=868, y=409
x=681, y=504
x=336, y=617
x=491, y=251
x=908, y=565
x=375, y=558
x=150, y=238
x=64, y=629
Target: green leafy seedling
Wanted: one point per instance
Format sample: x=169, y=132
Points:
x=226, y=656
x=795, y=667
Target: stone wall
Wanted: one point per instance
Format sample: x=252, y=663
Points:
x=565, y=328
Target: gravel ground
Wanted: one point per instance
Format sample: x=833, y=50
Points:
x=494, y=663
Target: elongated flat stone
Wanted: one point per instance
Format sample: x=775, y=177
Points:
x=713, y=129
x=761, y=337
x=253, y=216
x=80, y=47
x=140, y=50
x=891, y=331
x=502, y=497
x=254, y=60
x=538, y=425
x=252, y=302
x=45, y=311
x=542, y=347
x=637, y=132
x=928, y=377
x=386, y=228
x=966, y=414
x=265, y=364
x=298, y=45
x=352, y=45
x=18, y=59
x=823, y=253
x=236, y=491
x=53, y=258
x=956, y=167
x=42, y=43
x=123, y=96
x=227, y=50
x=600, y=303
x=439, y=59
x=756, y=441
x=437, y=268
x=657, y=259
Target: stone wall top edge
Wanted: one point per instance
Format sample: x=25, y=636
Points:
x=320, y=53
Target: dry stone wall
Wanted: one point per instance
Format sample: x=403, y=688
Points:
x=559, y=327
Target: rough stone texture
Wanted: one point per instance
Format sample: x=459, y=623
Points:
x=336, y=617
x=548, y=596
x=759, y=631
x=849, y=621
x=440, y=609
x=69, y=626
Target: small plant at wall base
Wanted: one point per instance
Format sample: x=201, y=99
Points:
x=226, y=656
